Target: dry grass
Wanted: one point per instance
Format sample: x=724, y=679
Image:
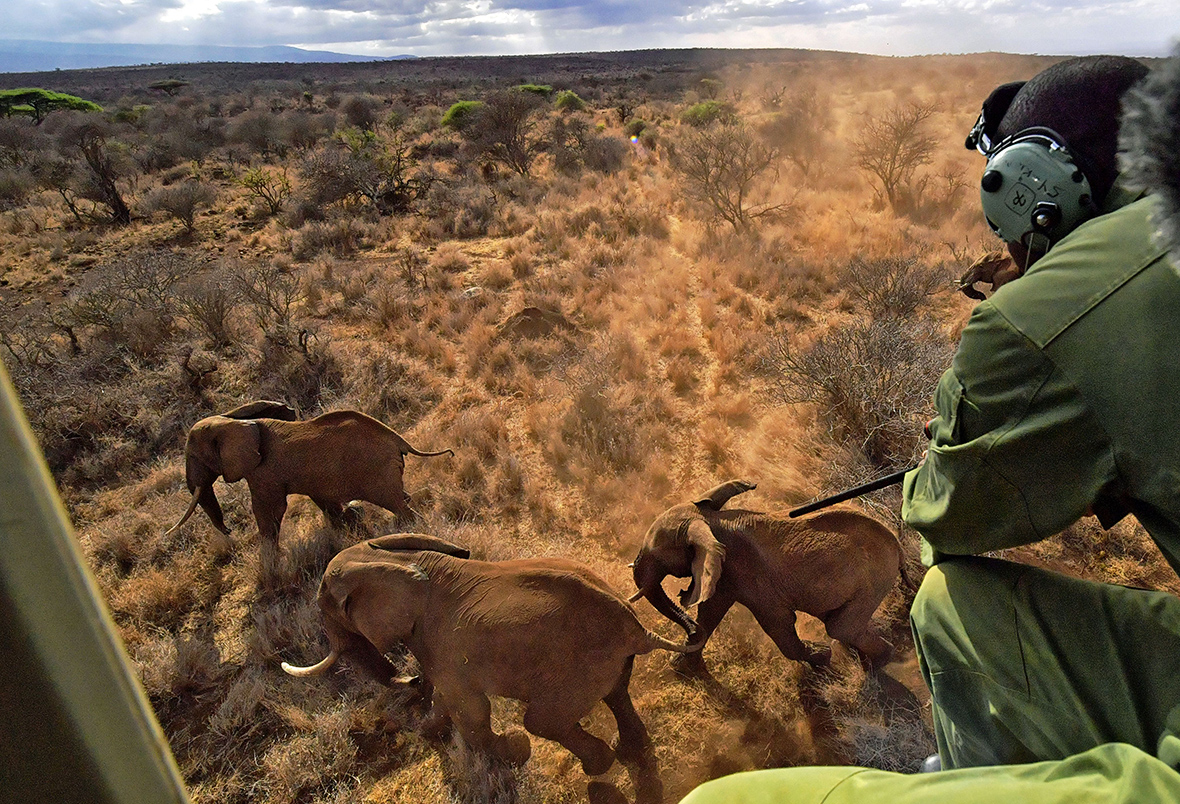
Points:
x=644, y=381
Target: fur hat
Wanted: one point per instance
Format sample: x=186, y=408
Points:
x=1149, y=141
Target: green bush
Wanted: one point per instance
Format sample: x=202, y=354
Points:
x=461, y=114
x=568, y=101
x=537, y=89
x=706, y=113
x=635, y=127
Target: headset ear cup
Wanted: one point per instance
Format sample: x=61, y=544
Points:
x=1033, y=186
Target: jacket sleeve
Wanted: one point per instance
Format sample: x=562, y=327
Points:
x=1015, y=455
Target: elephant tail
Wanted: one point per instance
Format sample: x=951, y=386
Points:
x=901, y=562
x=905, y=576
x=319, y=668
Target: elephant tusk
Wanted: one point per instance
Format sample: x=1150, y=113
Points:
x=637, y=596
x=314, y=670
x=192, y=506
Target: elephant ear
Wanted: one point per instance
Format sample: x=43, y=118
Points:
x=263, y=409
x=718, y=496
x=708, y=556
x=239, y=445
x=418, y=541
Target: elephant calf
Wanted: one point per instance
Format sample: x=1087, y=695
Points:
x=837, y=565
x=545, y=631
x=333, y=459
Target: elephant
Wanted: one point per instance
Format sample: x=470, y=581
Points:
x=545, y=631
x=837, y=565
x=334, y=459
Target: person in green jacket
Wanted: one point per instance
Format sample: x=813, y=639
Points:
x=1063, y=401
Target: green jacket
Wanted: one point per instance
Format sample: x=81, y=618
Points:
x=1063, y=397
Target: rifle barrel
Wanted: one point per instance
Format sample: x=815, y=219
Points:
x=856, y=491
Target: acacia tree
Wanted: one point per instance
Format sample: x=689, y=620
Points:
x=720, y=167
x=37, y=103
x=892, y=147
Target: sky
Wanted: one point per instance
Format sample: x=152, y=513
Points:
x=502, y=27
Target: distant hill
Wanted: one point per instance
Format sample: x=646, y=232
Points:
x=19, y=56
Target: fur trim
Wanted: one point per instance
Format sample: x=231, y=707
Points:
x=1149, y=141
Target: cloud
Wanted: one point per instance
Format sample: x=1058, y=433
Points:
x=469, y=27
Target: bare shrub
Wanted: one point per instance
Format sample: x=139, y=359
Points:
x=132, y=305
x=575, y=146
x=207, y=303
x=271, y=293
x=380, y=170
x=260, y=131
x=103, y=168
x=801, y=129
x=340, y=237
x=182, y=201
x=872, y=381
x=720, y=167
x=893, y=146
x=504, y=128
x=896, y=286
x=296, y=365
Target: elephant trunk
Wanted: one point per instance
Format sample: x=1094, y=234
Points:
x=200, y=482
x=319, y=668
x=648, y=579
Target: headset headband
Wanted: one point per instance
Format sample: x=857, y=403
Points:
x=990, y=114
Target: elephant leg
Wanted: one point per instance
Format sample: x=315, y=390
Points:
x=851, y=624
x=269, y=511
x=709, y=616
x=401, y=510
x=634, y=741
x=472, y=714
x=780, y=627
x=340, y=515
x=334, y=511
x=553, y=720
x=438, y=720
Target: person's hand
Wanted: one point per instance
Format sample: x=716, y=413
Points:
x=995, y=268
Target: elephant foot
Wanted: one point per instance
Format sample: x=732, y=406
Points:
x=435, y=725
x=818, y=659
x=648, y=787
x=597, y=759
x=604, y=793
x=691, y=665
x=352, y=517
x=513, y=747
x=633, y=750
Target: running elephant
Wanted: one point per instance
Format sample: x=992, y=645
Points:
x=546, y=631
x=334, y=459
x=837, y=565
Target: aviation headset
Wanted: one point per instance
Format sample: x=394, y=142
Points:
x=1033, y=190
